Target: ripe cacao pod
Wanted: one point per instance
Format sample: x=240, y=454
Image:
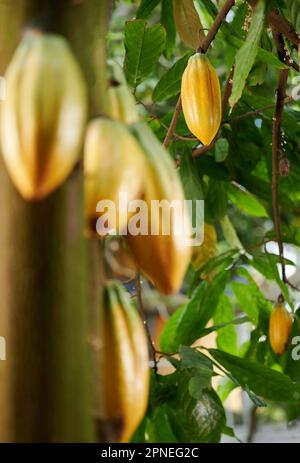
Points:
x=201, y=98
x=162, y=257
x=123, y=384
x=122, y=104
x=280, y=328
x=43, y=115
x=208, y=249
x=113, y=164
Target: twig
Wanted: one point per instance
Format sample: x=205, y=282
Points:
x=216, y=26
x=225, y=99
x=142, y=314
x=282, y=26
x=202, y=49
x=283, y=54
x=281, y=93
x=173, y=124
x=258, y=245
x=256, y=112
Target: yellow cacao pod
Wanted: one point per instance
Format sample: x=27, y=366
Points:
x=122, y=104
x=162, y=257
x=43, y=115
x=280, y=328
x=113, y=164
x=201, y=98
x=123, y=383
x=208, y=249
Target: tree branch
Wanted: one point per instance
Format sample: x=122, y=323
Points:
x=281, y=93
x=283, y=54
x=282, y=26
x=173, y=124
x=141, y=310
x=216, y=26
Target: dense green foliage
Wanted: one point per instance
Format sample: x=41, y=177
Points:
x=234, y=178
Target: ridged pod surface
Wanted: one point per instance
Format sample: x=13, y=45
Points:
x=122, y=102
x=113, y=164
x=280, y=328
x=201, y=98
x=43, y=115
x=163, y=258
x=123, y=363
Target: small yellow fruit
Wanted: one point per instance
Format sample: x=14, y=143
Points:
x=201, y=98
x=123, y=383
x=43, y=115
x=113, y=164
x=280, y=328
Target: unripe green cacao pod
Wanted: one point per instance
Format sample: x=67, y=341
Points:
x=280, y=328
x=43, y=115
x=113, y=164
x=201, y=98
x=122, y=104
x=123, y=383
x=163, y=258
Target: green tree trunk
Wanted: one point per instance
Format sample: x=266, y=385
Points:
x=45, y=383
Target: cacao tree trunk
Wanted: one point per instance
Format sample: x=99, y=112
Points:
x=45, y=382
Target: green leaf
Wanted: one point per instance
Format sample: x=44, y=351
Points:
x=160, y=427
x=261, y=262
x=211, y=329
x=225, y=387
x=226, y=336
x=144, y=46
x=191, y=358
x=216, y=198
x=199, y=310
x=170, y=83
x=189, y=177
x=145, y=9
x=230, y=432
x=246, y=55
x=246, y=297
x=167, y=343
x=202, y=370
x=246, y=202
x=200, y=381
x=208, y=166
x=223, y=260
x=264, y=306
x=221, y=149
x=229, y=233
x=192, y=187
x=262, y=380
x=233, y=37
x=167, y=20
x=272, y=261
x=188, y=23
